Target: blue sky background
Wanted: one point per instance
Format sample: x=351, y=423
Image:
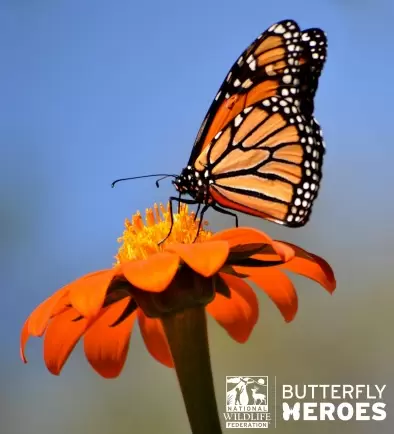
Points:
x=91, y=91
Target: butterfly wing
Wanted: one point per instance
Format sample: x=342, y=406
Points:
x=269, y=66
x=266, y=162
x=314, y=55
x=260, y=145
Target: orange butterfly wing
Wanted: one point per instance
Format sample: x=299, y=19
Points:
x=267, y=163
x=259, y=149
x=266, y=68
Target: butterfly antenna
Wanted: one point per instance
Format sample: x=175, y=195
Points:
x=163, y=176
x=161, y=179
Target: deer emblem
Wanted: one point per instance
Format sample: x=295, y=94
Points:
x=258, y=398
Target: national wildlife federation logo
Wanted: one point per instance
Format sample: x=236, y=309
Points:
x=247, y=402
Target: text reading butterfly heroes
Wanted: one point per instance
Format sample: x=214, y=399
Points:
x=259, y=149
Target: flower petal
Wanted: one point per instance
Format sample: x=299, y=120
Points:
x=246, y=251
x=204, y=258
x=285, y=251
x=239, y=236
x=61, y=336
x=276, y=253
x=278, y=287
x=238, y=314
x=312, y=266
x=153, y=274
x=106, y=346
x=155, y=340
x=87, y=294
x=23, y=340
x=62, y=305
x=38, y=320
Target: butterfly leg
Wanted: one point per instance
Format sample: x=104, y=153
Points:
x=203, y=211
x=198, y=210
x=179, y=203
x=179, y=200
x=224, y=211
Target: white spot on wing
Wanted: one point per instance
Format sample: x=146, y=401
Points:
x=279, y=29
x=252, y=65
x=238, y=120
x=247, y=83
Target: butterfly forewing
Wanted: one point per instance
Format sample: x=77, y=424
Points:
x=269, y=66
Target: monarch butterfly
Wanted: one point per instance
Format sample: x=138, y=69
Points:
x=259, y=149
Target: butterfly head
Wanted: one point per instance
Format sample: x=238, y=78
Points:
x=192, y=182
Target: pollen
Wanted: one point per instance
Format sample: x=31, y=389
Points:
x=141, y=237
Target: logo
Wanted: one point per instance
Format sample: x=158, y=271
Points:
x=250, y=398
x=247, y=402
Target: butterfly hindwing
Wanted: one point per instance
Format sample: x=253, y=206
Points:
x=266, y=162
x=314, y=56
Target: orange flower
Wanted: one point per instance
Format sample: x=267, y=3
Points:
x=149, y=282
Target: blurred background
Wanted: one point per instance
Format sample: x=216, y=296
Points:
x=96, y=90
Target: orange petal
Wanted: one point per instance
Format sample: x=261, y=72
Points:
x=62, y=305
x=61, y=337
x=283, y=250
x=106, y=347
x=87, y=294
x=240, y=236
x=153, y=274
x=23, y=341
x=39, y=318
x=204, y=258
x=155, y=340
x=277, y=286
x=312, y=266
x=238, y=314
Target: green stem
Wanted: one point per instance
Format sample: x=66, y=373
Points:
x=188, y=340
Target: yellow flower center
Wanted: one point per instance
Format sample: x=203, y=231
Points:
x=141, y=239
